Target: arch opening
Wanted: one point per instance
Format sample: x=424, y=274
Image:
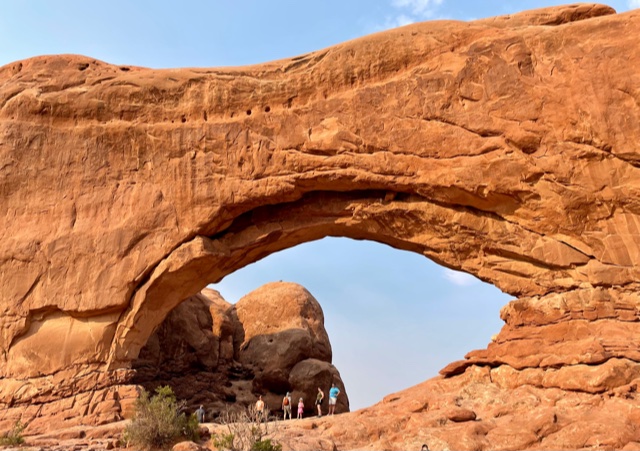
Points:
x=394, y=319
x=486, y=245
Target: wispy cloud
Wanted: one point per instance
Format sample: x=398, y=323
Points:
x=398, y=21
x=461, y=279
x=410, y=11
x=634, y=4
x=419, y=8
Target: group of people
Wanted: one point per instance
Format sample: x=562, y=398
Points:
x=287, y=402
x=333, y=399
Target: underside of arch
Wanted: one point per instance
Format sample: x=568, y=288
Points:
x=460, y=238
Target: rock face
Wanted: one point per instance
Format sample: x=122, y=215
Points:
x=224, y=356
x=480, y=410
x=506, y=148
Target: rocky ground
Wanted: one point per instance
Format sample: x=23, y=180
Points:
x=472, y=411
x=544, y=382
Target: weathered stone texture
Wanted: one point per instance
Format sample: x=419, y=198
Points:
x=507, y=148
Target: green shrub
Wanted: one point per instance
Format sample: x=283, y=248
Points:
x=266, y=445
x=157, y=423
x=224, y=441
x=14, y=436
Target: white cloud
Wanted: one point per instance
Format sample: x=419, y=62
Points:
x=423, y=8
x=397, y=21
x=459, y=278
x=410, y=11
x=634, y=4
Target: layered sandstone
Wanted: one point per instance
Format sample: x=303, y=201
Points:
x=506, y=148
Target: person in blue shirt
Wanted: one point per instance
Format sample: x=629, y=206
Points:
x=333, y=398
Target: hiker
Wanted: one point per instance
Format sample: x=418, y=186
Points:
x=300, y=409
x=260, y=408
x=286, y=405
x=200, y=414
x=333, y=398
x=319, y=399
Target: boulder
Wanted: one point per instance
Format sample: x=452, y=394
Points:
x=224, y=356
x=309, y=375
x=280, y=324
x=460, y=415
x=188, y=446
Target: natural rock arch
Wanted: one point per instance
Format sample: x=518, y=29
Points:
x=506, y=148
x=405, y=221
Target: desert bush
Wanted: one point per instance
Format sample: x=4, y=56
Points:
x=157, y=422
x=266, y=445
x=222, y=441
x=247, y=431
x=14, y=436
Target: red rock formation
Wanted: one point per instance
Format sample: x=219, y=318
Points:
x=506, y=148
x=223, y=356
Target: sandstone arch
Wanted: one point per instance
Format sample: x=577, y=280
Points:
x=507, y=148
x=405, y=222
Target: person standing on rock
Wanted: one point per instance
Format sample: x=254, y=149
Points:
x=286, y=405
x=300, y=409
x=319, y=399
x=260, y=408
x=333, y=398
x=200, y=413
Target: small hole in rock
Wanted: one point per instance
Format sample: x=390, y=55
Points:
x=248, y=112
x=267, y=109
x=125, y=69
x=183, y=119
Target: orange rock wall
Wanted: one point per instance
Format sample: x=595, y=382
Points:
x=506, y=148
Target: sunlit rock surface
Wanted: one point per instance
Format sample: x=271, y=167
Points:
x=504, y=147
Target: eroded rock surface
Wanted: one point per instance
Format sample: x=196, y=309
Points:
x=506, y=148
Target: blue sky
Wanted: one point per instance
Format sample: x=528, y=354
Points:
x=394, y=318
